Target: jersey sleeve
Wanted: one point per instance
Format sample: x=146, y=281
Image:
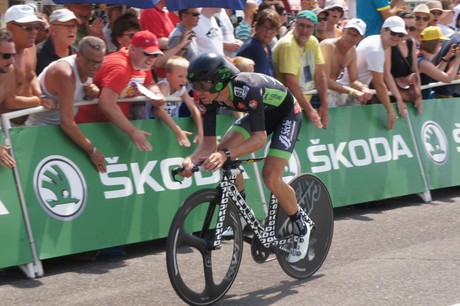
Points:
x=209, y=114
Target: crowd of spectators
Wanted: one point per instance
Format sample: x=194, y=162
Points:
x=331, y=53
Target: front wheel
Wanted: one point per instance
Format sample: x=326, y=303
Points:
x=199, y=272
x=313, y=196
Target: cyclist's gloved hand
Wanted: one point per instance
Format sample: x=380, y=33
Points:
x=188, y=165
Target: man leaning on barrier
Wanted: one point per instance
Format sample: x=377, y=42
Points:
x=67, y=81
x=7, y=54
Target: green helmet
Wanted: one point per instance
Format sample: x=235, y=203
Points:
x=210, y=72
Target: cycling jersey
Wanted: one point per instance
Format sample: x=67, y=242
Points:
x=269, y=106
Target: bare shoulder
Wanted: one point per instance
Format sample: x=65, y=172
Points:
x=60, y=70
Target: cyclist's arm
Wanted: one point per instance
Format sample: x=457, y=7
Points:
x=204, y=149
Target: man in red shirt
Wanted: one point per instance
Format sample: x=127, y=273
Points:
x=117, y=79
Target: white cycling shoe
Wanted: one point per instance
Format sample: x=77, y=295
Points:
x=300, y=246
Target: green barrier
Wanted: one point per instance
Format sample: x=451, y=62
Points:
x=15, y=248
x=74, y=209
x=438, y=136
x=358, y=158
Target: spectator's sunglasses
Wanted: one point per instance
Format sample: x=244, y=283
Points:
x=400, y=35
x=28, y=28
x=424, y=18
x=7, y=56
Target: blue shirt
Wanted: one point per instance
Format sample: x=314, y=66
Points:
x=369, y=12
x=253, y=49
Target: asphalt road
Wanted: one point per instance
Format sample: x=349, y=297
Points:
x=393, y=252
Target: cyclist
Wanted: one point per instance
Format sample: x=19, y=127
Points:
x=270, y=108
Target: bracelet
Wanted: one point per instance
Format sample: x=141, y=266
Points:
x=351, y=91
x=93, y=152
x=227, y=153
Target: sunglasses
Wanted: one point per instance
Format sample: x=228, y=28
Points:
x=7, y=56
x=29, y=28
x=410, y=29
x=201, y=85
x=196, y=14
x=151, y=55
x=436, y=13
x=322, y=19
x=424, y=18
x=400, y=35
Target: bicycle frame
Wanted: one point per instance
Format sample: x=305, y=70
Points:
x=266, y=233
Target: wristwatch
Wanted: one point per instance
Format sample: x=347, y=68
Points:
x=227, y=153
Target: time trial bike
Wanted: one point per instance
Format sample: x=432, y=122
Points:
x=205, y=242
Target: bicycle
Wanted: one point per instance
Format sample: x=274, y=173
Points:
x=207, y=230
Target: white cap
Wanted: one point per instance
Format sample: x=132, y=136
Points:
x=358, y=24
x=62, y=15
x=395, y=24
x=330, y=4
x=21, y=13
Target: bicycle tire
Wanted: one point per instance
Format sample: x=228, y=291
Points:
x=189, y=258
x=314, y=198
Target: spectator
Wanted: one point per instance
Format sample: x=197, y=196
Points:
x=303, y=75
x=436, y=11
x=188, y=20
x=175, y=85
x=447, y=69
x=67, y=81
x=281, y=10
x=340, y=57
x=24, y=25
x=447, y=91
x=447, y=18
x=83, y=11
x=321, y=27
x=113, y=12
x=409, y=20
x=401, y=62
x=63, y=32
x=7, y=54
x=422, y=19
x=335, y=8
x=209, y=35
x=244, y=30
x=371, y=61
x=117, y=79
x=373, y=13
x=43, y=34
x=309, y=5
x=259, y=46
x=455, y=25
x=123, y=30
x=231, y=45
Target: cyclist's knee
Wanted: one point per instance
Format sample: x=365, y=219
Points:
x=271, y=178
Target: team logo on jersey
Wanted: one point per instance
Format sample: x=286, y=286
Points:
x=240, y=105
x=241, y=92
x=253, y=104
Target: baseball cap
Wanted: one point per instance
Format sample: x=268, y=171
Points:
x=395, y=24
x=21, y=13
x=432, y=33
x=307, y=15
x=62, y=15
x=147, y=41
x=358, y=24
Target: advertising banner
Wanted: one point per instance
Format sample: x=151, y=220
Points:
x=438, y=135
x=358, y=158
x=14, y=242
x=73, y=208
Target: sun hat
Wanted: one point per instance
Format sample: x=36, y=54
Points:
x=21, y=13
x=432, y=33
x=395, y=24
x=147, y=41
x=358, y=24
x=62, y=15
x=436, y=6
